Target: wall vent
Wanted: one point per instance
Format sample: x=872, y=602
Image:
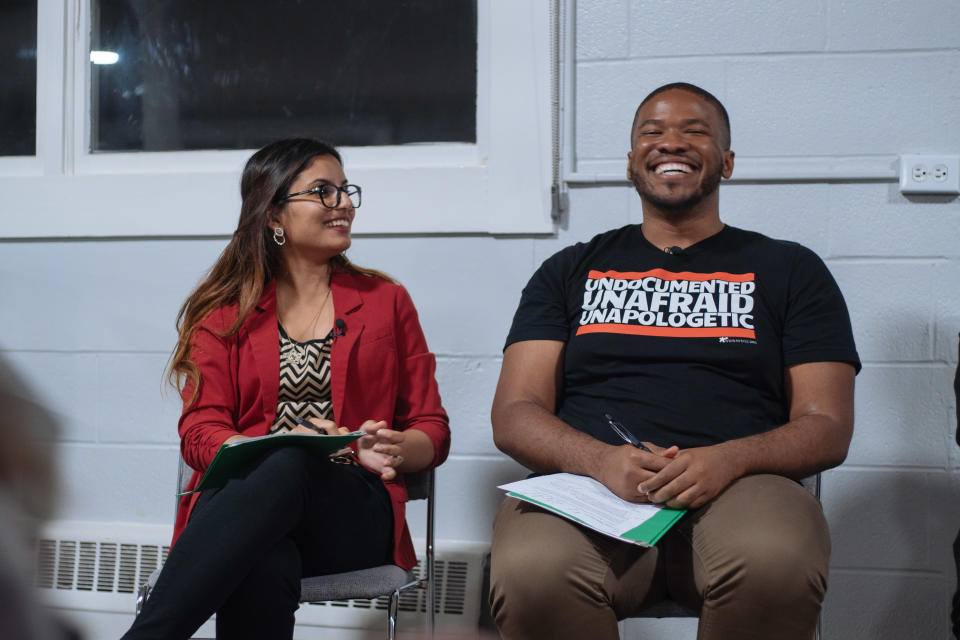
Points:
x=97, y=567
x=88, y=565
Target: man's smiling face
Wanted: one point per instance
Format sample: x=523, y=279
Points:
x=679, y=150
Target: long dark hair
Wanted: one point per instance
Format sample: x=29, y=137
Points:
x=251, y=259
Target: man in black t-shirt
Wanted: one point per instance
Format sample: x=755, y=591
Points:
x=955, y=609
x=729, y=354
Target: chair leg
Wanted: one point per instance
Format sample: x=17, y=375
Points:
x=392, y=615
x=143, y=592
x=431, y=607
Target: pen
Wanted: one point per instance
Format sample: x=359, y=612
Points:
x=624, y=434
x=309, y=425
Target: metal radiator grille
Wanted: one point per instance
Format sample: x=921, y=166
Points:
x=85, y=565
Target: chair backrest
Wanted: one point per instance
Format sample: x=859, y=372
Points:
x=419, y=485
x=812, y=484
x=184, y=473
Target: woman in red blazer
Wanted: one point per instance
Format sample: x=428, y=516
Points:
x=285, y=334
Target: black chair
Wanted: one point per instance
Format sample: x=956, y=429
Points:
x=385, y=580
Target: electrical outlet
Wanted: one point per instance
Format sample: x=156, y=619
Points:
x=930, y=174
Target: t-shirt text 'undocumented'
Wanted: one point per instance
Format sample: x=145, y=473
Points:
x=668, y=304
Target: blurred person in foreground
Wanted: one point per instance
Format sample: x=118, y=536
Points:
x=287, y=335
x=27, y=496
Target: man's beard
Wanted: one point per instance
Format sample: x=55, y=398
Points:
x=707, y=187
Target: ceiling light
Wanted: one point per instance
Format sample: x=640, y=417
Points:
x=104, y=57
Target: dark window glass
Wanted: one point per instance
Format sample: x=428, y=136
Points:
x=236, y=74
x=18, y=81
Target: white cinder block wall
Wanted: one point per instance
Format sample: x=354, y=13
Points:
x=90, y=322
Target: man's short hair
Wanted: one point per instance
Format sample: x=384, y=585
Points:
x=689, y=88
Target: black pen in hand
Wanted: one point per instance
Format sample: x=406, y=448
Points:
x=624, y=434
x=309, y=425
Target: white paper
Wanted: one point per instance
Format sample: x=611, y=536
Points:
x=586, y=500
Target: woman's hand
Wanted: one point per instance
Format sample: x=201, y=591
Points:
x=387, y=451
x=381, y=450
x=320, y=426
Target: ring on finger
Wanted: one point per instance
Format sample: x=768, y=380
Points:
x=399, y=460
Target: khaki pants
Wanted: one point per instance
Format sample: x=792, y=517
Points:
x=753, y=562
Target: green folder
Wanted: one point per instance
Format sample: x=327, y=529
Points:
x=645, y=534
x=235, y=455
x=650, y=532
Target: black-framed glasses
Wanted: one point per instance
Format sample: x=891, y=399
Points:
x=329, y=194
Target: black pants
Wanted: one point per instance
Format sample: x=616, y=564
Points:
x=247, y=545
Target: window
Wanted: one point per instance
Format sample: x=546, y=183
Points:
x=237, y=74
x=18, y=82
x=100, y=169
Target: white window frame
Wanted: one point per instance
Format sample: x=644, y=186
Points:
x=500, y=185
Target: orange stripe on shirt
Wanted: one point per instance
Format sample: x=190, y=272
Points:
x=669, y=275
x=669, y=332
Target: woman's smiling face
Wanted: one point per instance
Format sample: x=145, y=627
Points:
x=308, y=224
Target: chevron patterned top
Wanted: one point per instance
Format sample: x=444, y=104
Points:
x=304, y=381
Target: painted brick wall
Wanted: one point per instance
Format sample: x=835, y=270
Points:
x=90, y=323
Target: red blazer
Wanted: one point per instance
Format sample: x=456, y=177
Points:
x=380, y=370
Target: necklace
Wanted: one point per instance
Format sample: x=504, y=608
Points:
x=298, y=352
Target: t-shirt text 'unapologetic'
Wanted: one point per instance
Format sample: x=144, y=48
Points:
x=669, y=304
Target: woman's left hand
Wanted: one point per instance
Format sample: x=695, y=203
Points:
x=381, y=450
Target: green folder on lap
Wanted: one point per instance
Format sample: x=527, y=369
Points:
x=646, y=534
x=586, y=501
x=235, y=455
x=650, y=532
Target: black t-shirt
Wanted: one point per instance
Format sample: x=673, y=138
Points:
x=683, y=349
